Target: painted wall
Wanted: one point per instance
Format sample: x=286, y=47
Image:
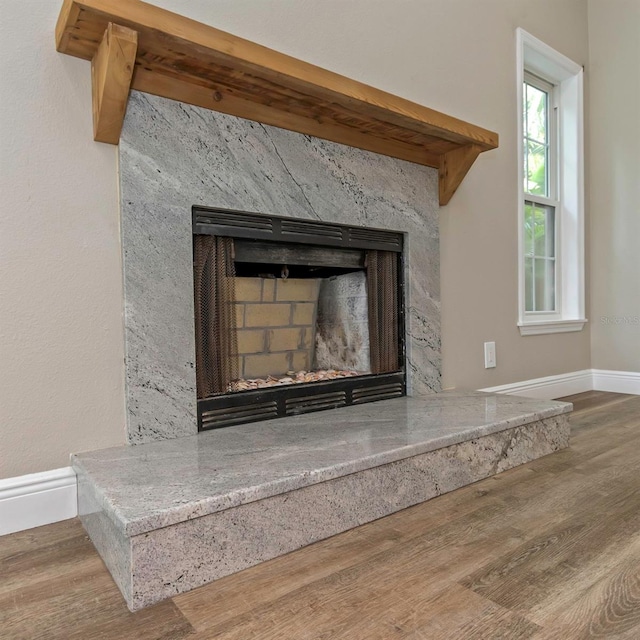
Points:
x=614, y=36
x=61, y=336
x=61, y=294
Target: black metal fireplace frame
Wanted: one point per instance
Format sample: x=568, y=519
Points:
x=241, y=407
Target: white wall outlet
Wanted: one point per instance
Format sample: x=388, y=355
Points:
x=489, y=355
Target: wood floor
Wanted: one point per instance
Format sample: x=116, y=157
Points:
x=550, y=550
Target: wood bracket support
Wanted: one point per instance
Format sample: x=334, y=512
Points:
x=454, y=166
x=111, y=74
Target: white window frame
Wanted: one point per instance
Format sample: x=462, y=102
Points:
x=539, y=59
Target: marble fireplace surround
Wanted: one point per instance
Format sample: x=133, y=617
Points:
x=173, y=156
x=183, y=509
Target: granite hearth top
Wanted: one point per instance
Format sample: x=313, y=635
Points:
x=158, y=484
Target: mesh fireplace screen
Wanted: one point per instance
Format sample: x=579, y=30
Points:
x=216, y=336
x=382, y=295
x=215, y=321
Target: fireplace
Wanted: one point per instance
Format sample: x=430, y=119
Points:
x=294, y=316
x=173, y=156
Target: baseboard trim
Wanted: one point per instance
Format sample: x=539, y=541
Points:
x=37, y=499
x=566, y=384
x=548, y=387
x=617, y=381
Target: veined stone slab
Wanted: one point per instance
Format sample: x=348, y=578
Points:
x=173, y=156
x=170, y=516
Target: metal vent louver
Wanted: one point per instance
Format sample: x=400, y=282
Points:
x=311, y=229
x=228, y=416
x=233, y=221
x=240, y=224
x=313, y=402
x=381, y=239
x=381, y=392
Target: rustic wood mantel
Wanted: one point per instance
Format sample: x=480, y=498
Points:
x=135, y=45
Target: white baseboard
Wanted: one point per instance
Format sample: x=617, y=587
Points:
x=616, y=381
x=37, y=499
x=549, y=387
x=567, y=384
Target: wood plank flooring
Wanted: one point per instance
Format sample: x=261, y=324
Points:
x=549, y=550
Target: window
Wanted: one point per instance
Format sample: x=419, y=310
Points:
x=551, y=230
x=540, y=195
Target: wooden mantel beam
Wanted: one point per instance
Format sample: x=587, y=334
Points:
x=111, y=73
x=149, y=49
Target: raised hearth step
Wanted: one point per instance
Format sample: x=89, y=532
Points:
x=173, y=515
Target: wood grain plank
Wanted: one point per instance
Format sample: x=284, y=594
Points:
x=69, y=14
x=174, y=37
x=454, y=166
x=27, y=544
x=31, y=557
x=111, y=73
x=459, y=613
x=63, y=591
x=541, y=567
x=590, y=579
x=609, y=608
x=595, y=400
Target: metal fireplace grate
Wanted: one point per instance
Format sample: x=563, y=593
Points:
x=264, y=404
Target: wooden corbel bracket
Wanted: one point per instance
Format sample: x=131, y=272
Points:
x=111, y=74
x=454, y=166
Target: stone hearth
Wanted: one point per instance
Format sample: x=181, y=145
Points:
x=173, y=515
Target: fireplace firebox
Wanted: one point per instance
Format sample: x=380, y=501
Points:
x=294, y=316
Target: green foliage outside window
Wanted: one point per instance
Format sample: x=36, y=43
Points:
x=535, y=128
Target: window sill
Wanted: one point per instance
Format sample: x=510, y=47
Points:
x=550, y=326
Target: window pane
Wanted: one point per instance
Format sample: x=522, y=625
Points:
x=528, y=284
x=544, y=276
x=551, y=231
x=539, y=262
x=536, y=173
x=529, y=211
x=536, y=106
x=545, y=231
x=539, y=230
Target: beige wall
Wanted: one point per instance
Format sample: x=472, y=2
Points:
x=62, y=349
x=614, y=58
x=61, y=337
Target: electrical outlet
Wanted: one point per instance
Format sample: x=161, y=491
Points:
x=489, y=355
